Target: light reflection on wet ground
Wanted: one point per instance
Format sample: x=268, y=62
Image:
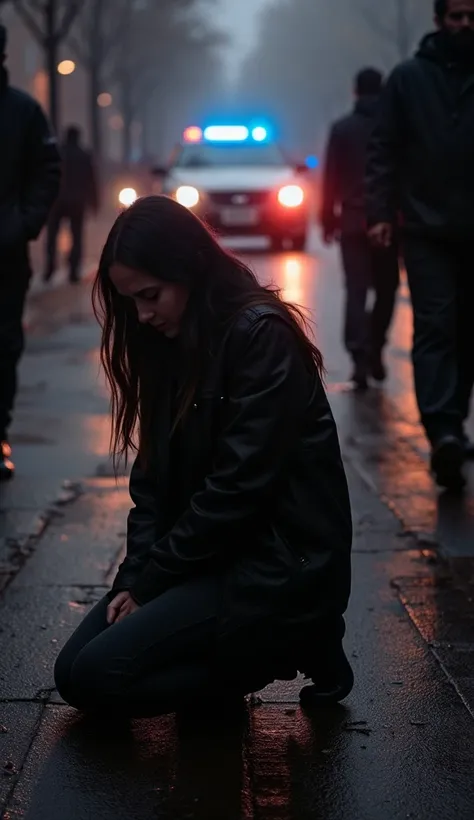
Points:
x=393, y=751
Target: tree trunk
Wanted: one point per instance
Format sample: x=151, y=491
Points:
x=51, y=50
x=95, y=78
x=126, y=90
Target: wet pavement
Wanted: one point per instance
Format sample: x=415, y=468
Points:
x=402, y=744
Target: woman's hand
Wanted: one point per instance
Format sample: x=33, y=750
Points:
x=121, y=606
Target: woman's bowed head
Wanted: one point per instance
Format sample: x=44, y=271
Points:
x=163, y=274
x=239, y=540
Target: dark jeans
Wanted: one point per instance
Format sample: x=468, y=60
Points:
x=368, y=269
x=156, y=661
x=74, y=214
x=441, y=279
x=14, y=279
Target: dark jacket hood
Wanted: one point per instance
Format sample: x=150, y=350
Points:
x=367, y=106
x=435, y=47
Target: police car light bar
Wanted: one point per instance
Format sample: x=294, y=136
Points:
x=226, y=133
x=193, y=134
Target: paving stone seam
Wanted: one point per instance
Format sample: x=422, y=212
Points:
x=24, y=547
x=16, y=779
x=432, y=647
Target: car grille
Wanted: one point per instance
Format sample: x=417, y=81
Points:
x=238, y=197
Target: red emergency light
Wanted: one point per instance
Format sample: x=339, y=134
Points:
x=193, y=134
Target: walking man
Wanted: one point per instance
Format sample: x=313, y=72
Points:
x=78, y=194
x=29, y=182
x=421, y=168
x=366, y=267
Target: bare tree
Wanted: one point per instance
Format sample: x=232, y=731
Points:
x=395, y=23
x=99, y=32
x=132, y=47
x=49, y=22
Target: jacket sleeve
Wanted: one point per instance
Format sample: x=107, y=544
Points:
x=142, y=526
x=42, y=173
x=382, y=156
x=268, y=390
x=331, y=187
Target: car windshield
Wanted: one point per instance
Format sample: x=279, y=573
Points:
x=214, y=156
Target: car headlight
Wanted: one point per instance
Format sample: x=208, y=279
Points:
x=291, y=196
x=127, y=197
x=188, y=196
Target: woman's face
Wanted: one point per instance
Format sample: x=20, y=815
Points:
x=159, y=304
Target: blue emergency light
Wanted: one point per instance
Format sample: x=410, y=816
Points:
x=312, y=162
x=227, y=133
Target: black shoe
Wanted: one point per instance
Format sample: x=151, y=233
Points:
x=74, y=278
x=7, y=468
x=378, y=371
x=360, y=377
x=330, y=685
x=447, y=460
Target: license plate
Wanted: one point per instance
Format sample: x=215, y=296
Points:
x=236, y=217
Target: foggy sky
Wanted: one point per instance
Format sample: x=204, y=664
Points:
x=239, y=18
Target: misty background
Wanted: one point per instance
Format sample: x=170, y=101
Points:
x=144, y=69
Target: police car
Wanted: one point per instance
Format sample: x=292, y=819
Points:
x=240, y=181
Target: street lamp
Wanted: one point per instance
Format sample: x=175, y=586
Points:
x=104, y=100
x=66, y=67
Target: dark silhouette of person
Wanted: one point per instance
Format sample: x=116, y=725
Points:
x=78, y=194
x=421, y=173
x=344, y=218
x=29, y=183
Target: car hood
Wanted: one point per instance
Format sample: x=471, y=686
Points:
x=232, y=179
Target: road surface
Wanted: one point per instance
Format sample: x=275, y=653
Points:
x=402, y=744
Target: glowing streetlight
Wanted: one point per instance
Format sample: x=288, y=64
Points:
x=104, y=100
x=116, y=122
x=66, y=67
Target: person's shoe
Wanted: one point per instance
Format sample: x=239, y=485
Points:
x=332, y=682
x=7, y=468
x=378, y=370
x=359, y=377
x=447, y=461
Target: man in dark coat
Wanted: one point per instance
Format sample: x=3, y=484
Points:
x=343, y=216
x=79, y=193
x=29, y=183
x=421, y=170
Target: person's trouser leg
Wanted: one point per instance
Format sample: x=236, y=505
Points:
x=386, y=280
x=52, y=232
x=358, y=273
x=465, y=328
x=157, y=660
x=76, y=221
x=432, y=276
x=14, y=280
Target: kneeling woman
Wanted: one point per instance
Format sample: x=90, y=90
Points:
x=237, y=569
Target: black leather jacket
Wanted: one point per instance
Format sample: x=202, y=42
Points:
x=266, y=498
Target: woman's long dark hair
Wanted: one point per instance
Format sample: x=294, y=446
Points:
x=162, y=238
